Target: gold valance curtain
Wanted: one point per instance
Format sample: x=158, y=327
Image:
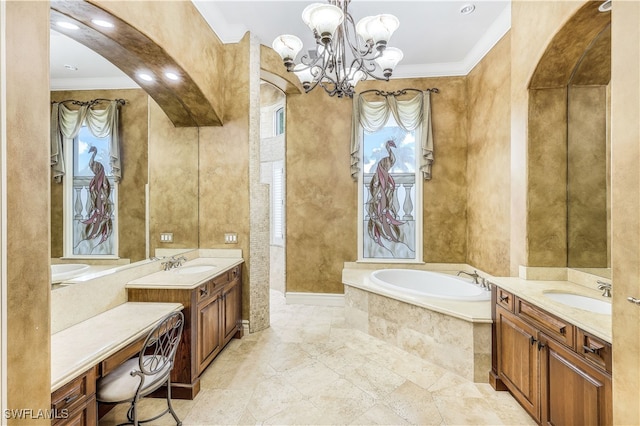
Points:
x=409, y=114
x=66, y=123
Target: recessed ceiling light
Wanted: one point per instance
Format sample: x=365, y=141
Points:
x=172, y=76
x=67, y=25
x=71, y=67
x=145, y=77
x=605, y=7
x=467, y=9
x=102, y=23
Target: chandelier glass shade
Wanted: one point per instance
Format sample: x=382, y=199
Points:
x=345, y=52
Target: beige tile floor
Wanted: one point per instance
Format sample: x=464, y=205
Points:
x=309, y=368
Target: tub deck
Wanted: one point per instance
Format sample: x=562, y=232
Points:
x=453, y=334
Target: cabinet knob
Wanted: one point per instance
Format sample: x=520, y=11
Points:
x=204, y=292
x=504, y=298
x=532, y=340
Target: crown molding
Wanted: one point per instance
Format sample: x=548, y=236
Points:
x=494, y=34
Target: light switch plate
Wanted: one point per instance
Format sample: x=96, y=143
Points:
x=166, y=237
x=231, y=238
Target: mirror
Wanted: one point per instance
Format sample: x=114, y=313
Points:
x=157, y=159
x=588, y=159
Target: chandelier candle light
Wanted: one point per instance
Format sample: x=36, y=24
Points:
x=345, y=52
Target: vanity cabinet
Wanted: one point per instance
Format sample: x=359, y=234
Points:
x=75, y=402
x=209, y=328
x=559, y=373
x=213, y=316
x=518, y=360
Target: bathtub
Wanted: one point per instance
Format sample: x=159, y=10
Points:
x=432, y=314
x=429, y=284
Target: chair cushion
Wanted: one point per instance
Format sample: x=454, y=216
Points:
x=120, y=385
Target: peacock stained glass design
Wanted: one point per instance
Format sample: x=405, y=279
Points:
x=389, y=176
x=93, y=196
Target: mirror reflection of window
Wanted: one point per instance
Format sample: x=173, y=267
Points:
x=279, y=122
x=92, y=213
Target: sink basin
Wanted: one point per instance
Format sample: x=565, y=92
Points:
x=194, y=269
x=581, y=302
x=65, y=271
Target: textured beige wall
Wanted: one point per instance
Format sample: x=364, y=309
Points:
x=625, y=180
x=173, y=181
x=488, y=161
x=224, y=165
x=322, y=198
x=587, y=177
x=131, y=194
x=27, y=202
x=547, y=178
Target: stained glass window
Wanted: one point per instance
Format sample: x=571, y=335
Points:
x=390, y=219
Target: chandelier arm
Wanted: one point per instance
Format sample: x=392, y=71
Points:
x=355, y=47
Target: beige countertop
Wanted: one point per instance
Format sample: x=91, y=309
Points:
x=174, y=279
x=78, y=348
x=533, y=291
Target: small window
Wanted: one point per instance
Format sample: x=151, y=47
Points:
x=91, y=197
x=279, y=122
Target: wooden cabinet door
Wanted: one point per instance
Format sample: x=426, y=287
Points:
x=518, y=359
x=232, y=309
x=573, y=392
x=209, y=331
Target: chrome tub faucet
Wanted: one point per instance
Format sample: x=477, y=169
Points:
x=475, y=275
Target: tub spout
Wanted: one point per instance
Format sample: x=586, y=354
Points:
x=475, y=275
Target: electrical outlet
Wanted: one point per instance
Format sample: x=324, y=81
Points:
x=166, y=237
x=231, y=238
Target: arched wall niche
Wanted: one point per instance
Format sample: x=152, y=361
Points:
x=568, y=47
x=131, y=50
x=578, y=58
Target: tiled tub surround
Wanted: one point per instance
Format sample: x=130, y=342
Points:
x=452, y=334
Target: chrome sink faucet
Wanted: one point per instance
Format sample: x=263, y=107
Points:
x=605, y=287
x=173, y=262
x=475, y=275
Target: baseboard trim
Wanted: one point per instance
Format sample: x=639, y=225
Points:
x=316, y=299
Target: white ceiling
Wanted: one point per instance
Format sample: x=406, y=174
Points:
x=437, y=40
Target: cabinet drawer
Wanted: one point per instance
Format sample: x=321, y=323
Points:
x=121, y=356
x=74, y=394
x=594, y=350
x=204, y=292
x=555, y=327
x=504, y=299
x=85, y=415
x=208, y=289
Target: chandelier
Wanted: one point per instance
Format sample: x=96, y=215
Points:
x=345, y=52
